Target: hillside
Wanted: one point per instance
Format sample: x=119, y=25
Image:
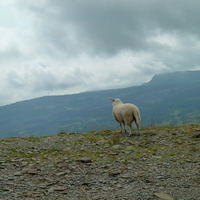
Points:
x=168, y=99
x=162, y=163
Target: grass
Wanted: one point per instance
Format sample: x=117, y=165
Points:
x=194, y=149
x=32, y=139
x=62, y=134
x=52, y=151
x=114, y=140
x=159, y=144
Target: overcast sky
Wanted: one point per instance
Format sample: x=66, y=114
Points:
x=55, y=47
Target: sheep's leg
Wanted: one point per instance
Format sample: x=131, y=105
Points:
x=138, y=128
x=124, y=128
x=120, y=127
x=130, y=131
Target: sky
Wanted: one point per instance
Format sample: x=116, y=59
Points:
x=50, y=47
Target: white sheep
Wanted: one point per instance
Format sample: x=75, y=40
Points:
x=125, y=114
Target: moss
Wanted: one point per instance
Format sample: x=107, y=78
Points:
x=91, y=138
x=61, y=134
x=194, y=149
x=32, y=139
x=114, y=140
x=53, y=150
x=167, y=143
x=172, y=154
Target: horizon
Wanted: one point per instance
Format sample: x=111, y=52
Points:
x=57, y=95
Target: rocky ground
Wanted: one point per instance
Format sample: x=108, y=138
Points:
x=163, y=163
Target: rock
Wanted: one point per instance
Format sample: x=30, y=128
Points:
x=113, y=153
x=149, y=181
x=197, y=135
x=119, y=186
x=125, y=176
x=38, y=194
x=17, y=174
x=84, y=160
x=50, y=190
x=17, y=159
x=68, y=171
x=86, y=183
x=107, y=189
x=61, y=174
x=32, y=171
x=59, y=188
x=159, y=177
x=24, y=164
x=116, y=146
x=163, y=196
x=114, y=173
x=11, y=178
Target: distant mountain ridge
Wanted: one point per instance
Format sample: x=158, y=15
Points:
x=179, y=77
x=171, y=98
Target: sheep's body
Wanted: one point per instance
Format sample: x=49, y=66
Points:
x=125, y=114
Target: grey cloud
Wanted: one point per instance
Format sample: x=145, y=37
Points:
x=111, y=26
x=11, y=53
x=52, y=79
x=14, y=79
x=88, y=45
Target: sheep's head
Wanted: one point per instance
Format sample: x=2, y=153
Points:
x=116, y=101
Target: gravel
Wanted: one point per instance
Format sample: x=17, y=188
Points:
x=163, y=163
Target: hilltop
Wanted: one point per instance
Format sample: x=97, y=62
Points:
x=168, y=99
x=163, y=163
x=176, y=78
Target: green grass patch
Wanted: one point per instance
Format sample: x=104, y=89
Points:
x=62, y=134
x=114, y=140
x=32, y=139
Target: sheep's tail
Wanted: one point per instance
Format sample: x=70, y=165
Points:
x=137, y=120
x=137, y=117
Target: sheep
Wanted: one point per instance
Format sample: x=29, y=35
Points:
x=125, y=114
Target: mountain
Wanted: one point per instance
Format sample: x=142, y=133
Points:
x=168, y=99
x=176, y=78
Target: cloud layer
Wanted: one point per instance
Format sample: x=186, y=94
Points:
x=52, y=47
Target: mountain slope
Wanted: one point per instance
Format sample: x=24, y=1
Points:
x=168, y=98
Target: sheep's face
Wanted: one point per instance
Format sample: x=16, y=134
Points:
x=115, y=102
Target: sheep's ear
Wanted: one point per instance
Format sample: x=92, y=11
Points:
x=112, y=99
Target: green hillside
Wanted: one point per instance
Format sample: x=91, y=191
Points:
x=171, y=98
